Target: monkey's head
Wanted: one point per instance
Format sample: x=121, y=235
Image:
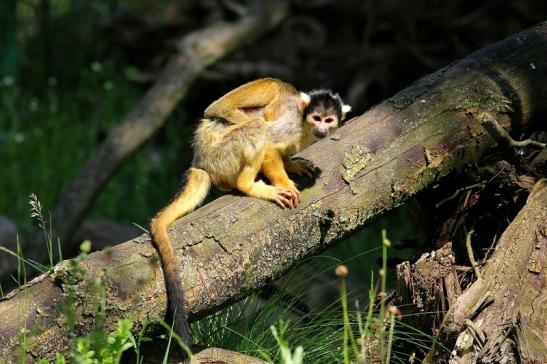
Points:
x=323, y=111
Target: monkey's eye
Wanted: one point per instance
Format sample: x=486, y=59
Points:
x=317, y=118
x=329, y=120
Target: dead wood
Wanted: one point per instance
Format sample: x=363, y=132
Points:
x=428, y=288
x=502, y=317
x=235, y=244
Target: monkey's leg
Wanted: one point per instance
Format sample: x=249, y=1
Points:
x=274, y=169
x=253, y=95
x=299, y=166
x=271, y=110
x=246, y=183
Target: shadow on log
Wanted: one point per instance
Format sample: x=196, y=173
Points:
x=235, y=244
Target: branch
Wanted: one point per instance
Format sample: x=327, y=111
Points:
x=217, y=355
x=236, y=244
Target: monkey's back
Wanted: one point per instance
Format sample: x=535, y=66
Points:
x=250, y=97
x=223, y=150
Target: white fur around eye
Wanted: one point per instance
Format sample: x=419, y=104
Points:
x=305, y=98
x=345, y=108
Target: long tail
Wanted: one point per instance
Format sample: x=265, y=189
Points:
x=186, y=200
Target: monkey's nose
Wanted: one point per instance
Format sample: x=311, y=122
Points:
x=320, y=133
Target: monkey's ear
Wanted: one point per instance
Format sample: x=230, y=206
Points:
x=345, y=110
x=304, y=101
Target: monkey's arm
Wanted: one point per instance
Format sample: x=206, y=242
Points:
x=274, y=169
x=252, y=96
x=247, y=184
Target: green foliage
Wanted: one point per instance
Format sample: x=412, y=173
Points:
x=58, y=360
x=90, y=350
x=45, y=138
x=287, y=357
x=100, y=349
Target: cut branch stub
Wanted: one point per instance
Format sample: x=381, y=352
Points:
x=429, y=287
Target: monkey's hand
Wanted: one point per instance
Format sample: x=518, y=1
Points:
x=295, y=193
x=299, y=166
x=281, y=195
x=286, y=198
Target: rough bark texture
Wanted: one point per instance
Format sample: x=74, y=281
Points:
x=235, y=244
x=508, y=305
x=428, y=286
x=196, y=51
x=221, y=356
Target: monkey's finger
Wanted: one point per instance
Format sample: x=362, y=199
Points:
x=298, y=198
x=295, y=200
x=286, y=197
x=295, y=195
x=289, y=197
x=281, y=202
x=306, y=163
x=288, y=201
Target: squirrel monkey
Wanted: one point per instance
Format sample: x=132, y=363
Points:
x=254, y=128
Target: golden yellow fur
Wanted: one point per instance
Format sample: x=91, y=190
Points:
x=260, y=127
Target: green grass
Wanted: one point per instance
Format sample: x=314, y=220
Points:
x=332, y=334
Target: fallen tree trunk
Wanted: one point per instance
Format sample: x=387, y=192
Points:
x=235, y=244
x=502, y=316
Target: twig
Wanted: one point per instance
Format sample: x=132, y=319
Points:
x=501, y=136
x=457, y=192
x=471, y=256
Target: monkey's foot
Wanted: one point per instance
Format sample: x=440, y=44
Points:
x=300, y=167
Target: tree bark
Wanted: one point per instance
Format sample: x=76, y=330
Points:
x=221, y=356
x=508, y=305
x=196, y=51
x=429, y=286
x=236, y=244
